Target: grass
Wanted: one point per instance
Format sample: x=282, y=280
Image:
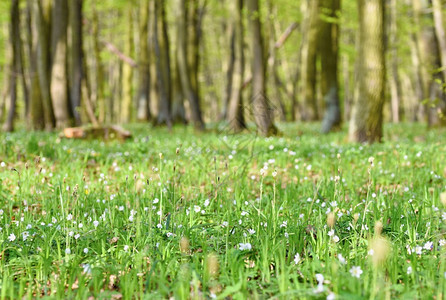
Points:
x=195, y=216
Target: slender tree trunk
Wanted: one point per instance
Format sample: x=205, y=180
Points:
x=178, y=111
x=59, y=82
x=328, y=51
x=235, y=113
x=143, y=98
x=161, y=43
x=87, y=94
x=427, y=52
x=184, y=68
x=76, y=72
x=395, y=87
x=229, y=68
x=307, y=82
x=273, y=78
x=43, y=14
x=263, y=112
x=36, y=105
x=367, y=118
x=98, y=98
x=14, y=70
x=440, y=32
x=127, y=72
x=347, y=87
x=441, y=39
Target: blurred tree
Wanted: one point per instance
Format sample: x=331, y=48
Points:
x=263, y=112
x=366, y=123
x=15, y=65
x=143, y=96
x=59, y=80
x=127, y=71
x=328, y=50
x=42, y=12
x=187, y=49
x=394, y=81
x=307, y=77
x=235, y=113
x=163, y=71
x=428, y=60
x=36, y=105
x=441, y=39
x=76, y=59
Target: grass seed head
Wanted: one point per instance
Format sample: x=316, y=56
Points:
x=381, y=250
x=184, y=245
x=331, y=219
x=443, y=198
x=378, y=228
x=355, y=218
x=212, y=265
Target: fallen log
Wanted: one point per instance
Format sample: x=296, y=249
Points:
x=103, y=132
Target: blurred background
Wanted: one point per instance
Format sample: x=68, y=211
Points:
x=72, y=62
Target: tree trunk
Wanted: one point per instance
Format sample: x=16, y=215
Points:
x=178, y=111
x=273, y=78
x=441, y=39
x=99, y=72
x=428, y=57
x=161, y=45
x=228, y=64
x=76, y=72
x=36, y=106
x=263, y=112
x=235, y=113
x=43, y=15
x=127, y=73
x=59, y=82
x=184, y=69
x=328, y=50
x=367, y=118
x=346, y=74
x=307, y=78
x=14, y=69
x=395, y=87
x=143, y=97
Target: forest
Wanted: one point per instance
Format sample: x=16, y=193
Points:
x=222, y=149
x=362, y=63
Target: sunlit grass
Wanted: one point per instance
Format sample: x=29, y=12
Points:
x=189, y=215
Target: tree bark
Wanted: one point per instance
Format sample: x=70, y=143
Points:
x=143, y=97
x=76, y=72
x=235, y=113
x=228, y=66
x=272, y=66
x=184, y=68
x=43, y=14
x=36, y=105
x=328, y=51
x=14, y=69
x=127, y=72
x=395, y=86
x=99, y=79
x=59, y=82
x=441, y=39
x=366, y=124
x=428, y=58
x=263, y=112
x=307, y=78
x=161, y=45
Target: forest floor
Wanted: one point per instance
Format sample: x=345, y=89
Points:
x=216, y=215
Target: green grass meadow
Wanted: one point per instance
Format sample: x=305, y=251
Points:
x=187, y=215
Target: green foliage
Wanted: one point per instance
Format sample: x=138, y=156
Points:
x=106, y=219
